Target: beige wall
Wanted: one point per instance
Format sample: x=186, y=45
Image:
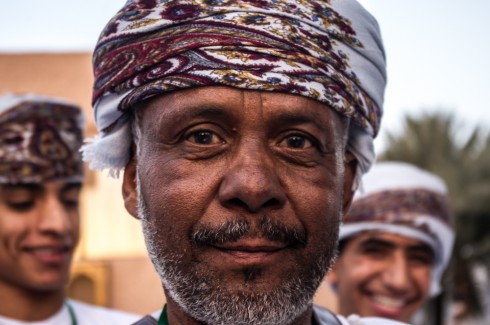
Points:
x=111, y=249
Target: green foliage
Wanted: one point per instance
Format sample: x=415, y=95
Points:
x=434, y=143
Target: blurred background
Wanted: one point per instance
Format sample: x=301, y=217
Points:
x=436, y=116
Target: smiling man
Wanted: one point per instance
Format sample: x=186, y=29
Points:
x=41, y=175
x=395, y=243
x=242, y=128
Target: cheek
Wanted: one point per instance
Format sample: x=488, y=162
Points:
x=317, y=206
x=13, y=227
x=75, y=221
x=357, y=271
x=169, y=180
x=423, y=278
x=164, y=191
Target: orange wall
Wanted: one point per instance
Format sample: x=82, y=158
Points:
x=67, y=75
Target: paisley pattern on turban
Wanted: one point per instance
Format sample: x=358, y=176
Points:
x=40, y=140
x=401, y=207
x=308, y=48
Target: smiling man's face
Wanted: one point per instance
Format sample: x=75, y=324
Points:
x=240, y=198
x=39, y=230
x=382, y=274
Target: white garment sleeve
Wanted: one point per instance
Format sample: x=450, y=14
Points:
x=357, y=320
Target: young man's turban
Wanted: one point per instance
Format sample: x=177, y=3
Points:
x=400, y=198
x=40, y=139
x=327, y=50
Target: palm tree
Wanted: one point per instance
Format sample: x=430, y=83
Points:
x=435, y=142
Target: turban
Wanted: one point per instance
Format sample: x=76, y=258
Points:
x=40, y=139
x=327, y=50
x=403, y=199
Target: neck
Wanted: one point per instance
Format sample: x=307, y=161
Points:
x=27, y=304
x=176, y=315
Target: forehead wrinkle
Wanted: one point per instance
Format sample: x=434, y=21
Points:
x=189, y=111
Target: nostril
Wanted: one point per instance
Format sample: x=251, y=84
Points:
x=271, y=203
x=237, y=203
x=251, y=205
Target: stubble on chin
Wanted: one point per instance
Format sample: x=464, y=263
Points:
x=201, y=293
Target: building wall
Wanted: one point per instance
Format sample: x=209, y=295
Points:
x=111, y=267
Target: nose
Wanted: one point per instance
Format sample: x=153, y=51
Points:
x=54, y=218
x=397, y=275
x=251, y=181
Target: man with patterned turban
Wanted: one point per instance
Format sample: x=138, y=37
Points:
x=242, y=127
x=395, y=243
x=41, y=173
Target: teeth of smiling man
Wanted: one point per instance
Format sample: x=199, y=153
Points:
x=388, y=301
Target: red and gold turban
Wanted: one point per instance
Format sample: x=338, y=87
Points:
x=327, y=50
x=40, y=138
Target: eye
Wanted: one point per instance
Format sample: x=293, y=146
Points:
x=70, y=198
x=374, y=250
x=204, y=137
x=21, y=206
x=70, y=204
x=296, y=141
x=422, y=258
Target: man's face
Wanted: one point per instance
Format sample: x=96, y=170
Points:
x=382, y=274
x=240, y=199
x=39, y=226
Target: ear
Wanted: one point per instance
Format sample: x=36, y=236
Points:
x=129, y=191
x=332, y=276
x=350, y=165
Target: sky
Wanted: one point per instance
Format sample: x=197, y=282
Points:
x=438, y=51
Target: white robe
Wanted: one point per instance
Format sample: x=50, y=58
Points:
x=85, y=314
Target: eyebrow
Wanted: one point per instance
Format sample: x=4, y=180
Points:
x=292, y=118
x=192, y=111
x=420, y=247
x=377, y=241
x=34, y=187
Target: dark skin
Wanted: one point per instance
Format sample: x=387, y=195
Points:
x=223, y=153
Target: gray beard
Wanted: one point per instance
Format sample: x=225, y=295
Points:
x=204, y=297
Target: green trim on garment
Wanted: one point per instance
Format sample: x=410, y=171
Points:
x=163, y=320
x=73, y=317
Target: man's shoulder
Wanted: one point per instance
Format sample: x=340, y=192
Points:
x=91, y=314
x=326, y=317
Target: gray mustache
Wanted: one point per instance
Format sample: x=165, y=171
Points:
x=232, y=231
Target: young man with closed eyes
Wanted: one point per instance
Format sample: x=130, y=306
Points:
x=41, y=174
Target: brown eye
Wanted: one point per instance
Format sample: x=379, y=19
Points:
x=204, y=137
x=296, y=141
